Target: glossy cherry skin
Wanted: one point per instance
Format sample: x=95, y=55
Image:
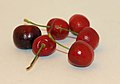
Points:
x=78, y=22
x=49, y=48
x=24, y=35
x=55, y=29
x=81, y=54
x=90, y=36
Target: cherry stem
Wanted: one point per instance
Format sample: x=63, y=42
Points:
x=61, y=51
x=57, y=42
x=61, y=28
x=30, y=22
x=36, y=57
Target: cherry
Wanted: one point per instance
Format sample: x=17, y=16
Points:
x=42, y=46
x=81, y=54
x=24, y=35
x=90, y=36
x=78, y=22
x=50, y=45
x=56, y=31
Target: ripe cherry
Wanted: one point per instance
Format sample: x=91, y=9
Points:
x=24, y=35
x=50, y=45
x=56, y=31
x=42, y=46
x=81, y=54
x=78, y=22
x=90, y=36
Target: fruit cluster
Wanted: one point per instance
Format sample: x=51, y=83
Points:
x=81, y=52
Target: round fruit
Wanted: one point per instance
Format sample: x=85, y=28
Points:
x=78, y=22
x=90, y=36
x=24, y=35
x=81, y=54
x=49, y=48
x=59, y=29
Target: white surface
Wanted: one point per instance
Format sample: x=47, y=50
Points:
x=104, y=16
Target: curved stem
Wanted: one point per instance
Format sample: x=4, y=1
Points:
x=30, y=22
x=62, y=51
x=57, y=42
x=36, y=57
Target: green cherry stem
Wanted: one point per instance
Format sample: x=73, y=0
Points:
x=36, y=57
x=30, y=22
x=57, y=42
x=61, y=28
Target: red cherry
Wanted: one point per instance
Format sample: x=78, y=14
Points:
x=42, y=46
x=56, y=31
x=24, y=35
x=78, y=22
x=49, y=48
x=90, y=36
x=81, y=54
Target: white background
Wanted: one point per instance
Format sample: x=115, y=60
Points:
x=104, y=16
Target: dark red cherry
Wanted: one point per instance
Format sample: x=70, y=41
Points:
x=78, y=22
x=49, y=48
x=56, y=29
x=24, y=35
x=90, y=36
x=81, y=54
